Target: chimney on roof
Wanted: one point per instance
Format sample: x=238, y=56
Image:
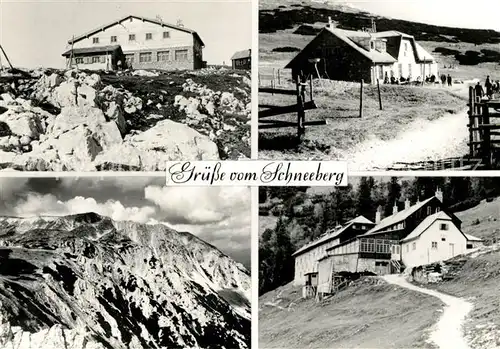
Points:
x=439, y=194
x=407, y=204
x=395, y=208
x=378, y=215
x=330, y=23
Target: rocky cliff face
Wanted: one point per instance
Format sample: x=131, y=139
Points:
x=85, y=281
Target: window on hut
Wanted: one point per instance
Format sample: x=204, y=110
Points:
x=434, y=245
x=145, y=57
x=149, y=36
x=95, y=40
x=166, y=35
x=131, y=37
x=181, y=55
x=163, y=56
x=113, y=39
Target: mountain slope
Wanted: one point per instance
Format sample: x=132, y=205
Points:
x=85, y=281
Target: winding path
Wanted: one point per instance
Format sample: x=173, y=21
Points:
x=448, y=332
x=424, y=140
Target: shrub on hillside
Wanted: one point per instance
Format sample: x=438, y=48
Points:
x=272, y=21
x=286, y=49
x=446, y=51
x=464, y=205
x=475, y=57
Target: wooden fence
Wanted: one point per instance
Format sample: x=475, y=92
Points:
x=273, y=77
x=300, y=108
x=483, y=131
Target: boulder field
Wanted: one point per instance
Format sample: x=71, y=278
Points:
x=84, y=121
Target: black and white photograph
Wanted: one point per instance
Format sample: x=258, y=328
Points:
x=123, y=86
x=386, y=262
x=122, y=263
x=384, y=85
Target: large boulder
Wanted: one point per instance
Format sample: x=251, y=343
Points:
x=24, y=124
x=107, y=134
x=93, y=80
x=114, y=113
x=54, y=80
x=177, y=141
x=124, y=157
x=78, y=145
x=70, y=117
x=72, y=93
x=8, y=98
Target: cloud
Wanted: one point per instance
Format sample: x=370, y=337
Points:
x=36, y=204
x=199, y=205
x=10, y=186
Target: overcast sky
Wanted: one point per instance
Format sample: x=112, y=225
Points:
x=35, y=33
x=478, y=14
x=218, y=215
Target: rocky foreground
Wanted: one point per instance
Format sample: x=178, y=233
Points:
x=84, y=121
x=85, y=281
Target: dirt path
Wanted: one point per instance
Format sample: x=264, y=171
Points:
x=443, y=138
x=448, y=331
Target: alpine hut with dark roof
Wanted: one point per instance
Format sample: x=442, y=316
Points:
x=145, y=43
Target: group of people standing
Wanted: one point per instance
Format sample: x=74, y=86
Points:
x=491, y=88
x=446, y=80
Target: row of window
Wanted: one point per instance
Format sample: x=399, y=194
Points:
x=161, y=56
x=144, y=57
x=131, y=37
x=375, y=245
x=90, y=59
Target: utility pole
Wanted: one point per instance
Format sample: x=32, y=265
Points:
x=7, y=58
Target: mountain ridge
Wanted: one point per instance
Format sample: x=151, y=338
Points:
x=133, y=285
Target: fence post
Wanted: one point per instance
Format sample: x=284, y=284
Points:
x=361, y=100
x=300, y=107
x=311, y=87
x=486, y=143
x=279, y=79
x=379, y=95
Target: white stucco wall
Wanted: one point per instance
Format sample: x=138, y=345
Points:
x=308, y=262
x=407, y=64
x=424, y=253
x=139, y=28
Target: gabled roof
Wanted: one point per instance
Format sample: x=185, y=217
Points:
x=154, y=21
x=332, y=234
x=352, y=38
x=472, y=238
x=425, y=224
x=373, y=55
x=242, y=54
x=98, y=49
x=398, y=217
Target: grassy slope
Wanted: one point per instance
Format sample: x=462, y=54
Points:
x=338, y=103
x=482, y=221
x=369, y=314
x=478, y=281
x=479, y=277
